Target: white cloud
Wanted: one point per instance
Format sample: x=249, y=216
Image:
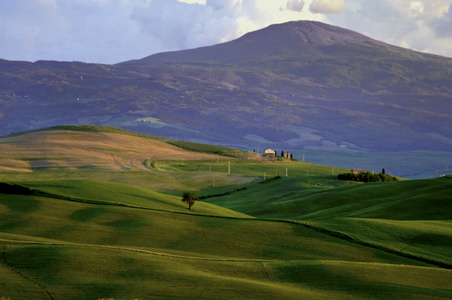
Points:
x=179, y=25
x=193, y=1
x=442, y=22
x=420, y=25
x=327, y=6
x=295, y=5
x=111, y=31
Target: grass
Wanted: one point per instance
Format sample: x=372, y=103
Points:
x=212, y=149
x=117, y=194
x=100, y=251
x=173, y=183
x=125, y=234
x=408, y=217
x=429, y=239
x=81, y=147
x=247, y=167
x=118, y=274
x=182, y=233
x=325, y=199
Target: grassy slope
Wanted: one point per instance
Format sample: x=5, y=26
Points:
x=293, y=199
x=410, y=217
x=76, y=250
x=118, y=274
x=88, y=147
x=167, y=182
x=427, y=239
x=85, y=239
x=122, y=195
x=112, y=273
x=93, y=248
x=249, y=167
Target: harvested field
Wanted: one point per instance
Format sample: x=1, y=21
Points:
x=59, y=149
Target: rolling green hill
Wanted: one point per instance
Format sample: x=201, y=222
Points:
x=426, y=199
x=412, y=217
x=70, y=249
x=88, y=233
x=117, y=194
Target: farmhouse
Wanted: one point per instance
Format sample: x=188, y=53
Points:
x=270, y=153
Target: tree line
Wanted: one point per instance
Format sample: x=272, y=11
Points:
x=366, y=177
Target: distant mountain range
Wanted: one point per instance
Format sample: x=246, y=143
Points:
x=297, y=85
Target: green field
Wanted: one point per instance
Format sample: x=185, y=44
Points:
x=109, y=234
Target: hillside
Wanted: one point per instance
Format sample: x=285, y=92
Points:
x=65, y=249
x=92, y=147
x=71, y=228
x=402, y=200
x=297, y=85
x=267, y=41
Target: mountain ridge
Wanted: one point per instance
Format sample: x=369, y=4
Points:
x=269, y=88
x=267, y=40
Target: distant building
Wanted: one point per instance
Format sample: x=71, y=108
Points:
x=270, y=153
x=357, y=171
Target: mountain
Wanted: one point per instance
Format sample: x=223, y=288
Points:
x=268, y=41
x=297, y=85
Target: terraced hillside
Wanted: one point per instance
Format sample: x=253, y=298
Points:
x=123, y=233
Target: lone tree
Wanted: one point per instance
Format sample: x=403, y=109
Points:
x=190, y=199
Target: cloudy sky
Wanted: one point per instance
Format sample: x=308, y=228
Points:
x=111, y=31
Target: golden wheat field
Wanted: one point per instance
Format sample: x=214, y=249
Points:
x=60, y=149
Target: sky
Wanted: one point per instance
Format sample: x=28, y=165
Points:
x=112, y=31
